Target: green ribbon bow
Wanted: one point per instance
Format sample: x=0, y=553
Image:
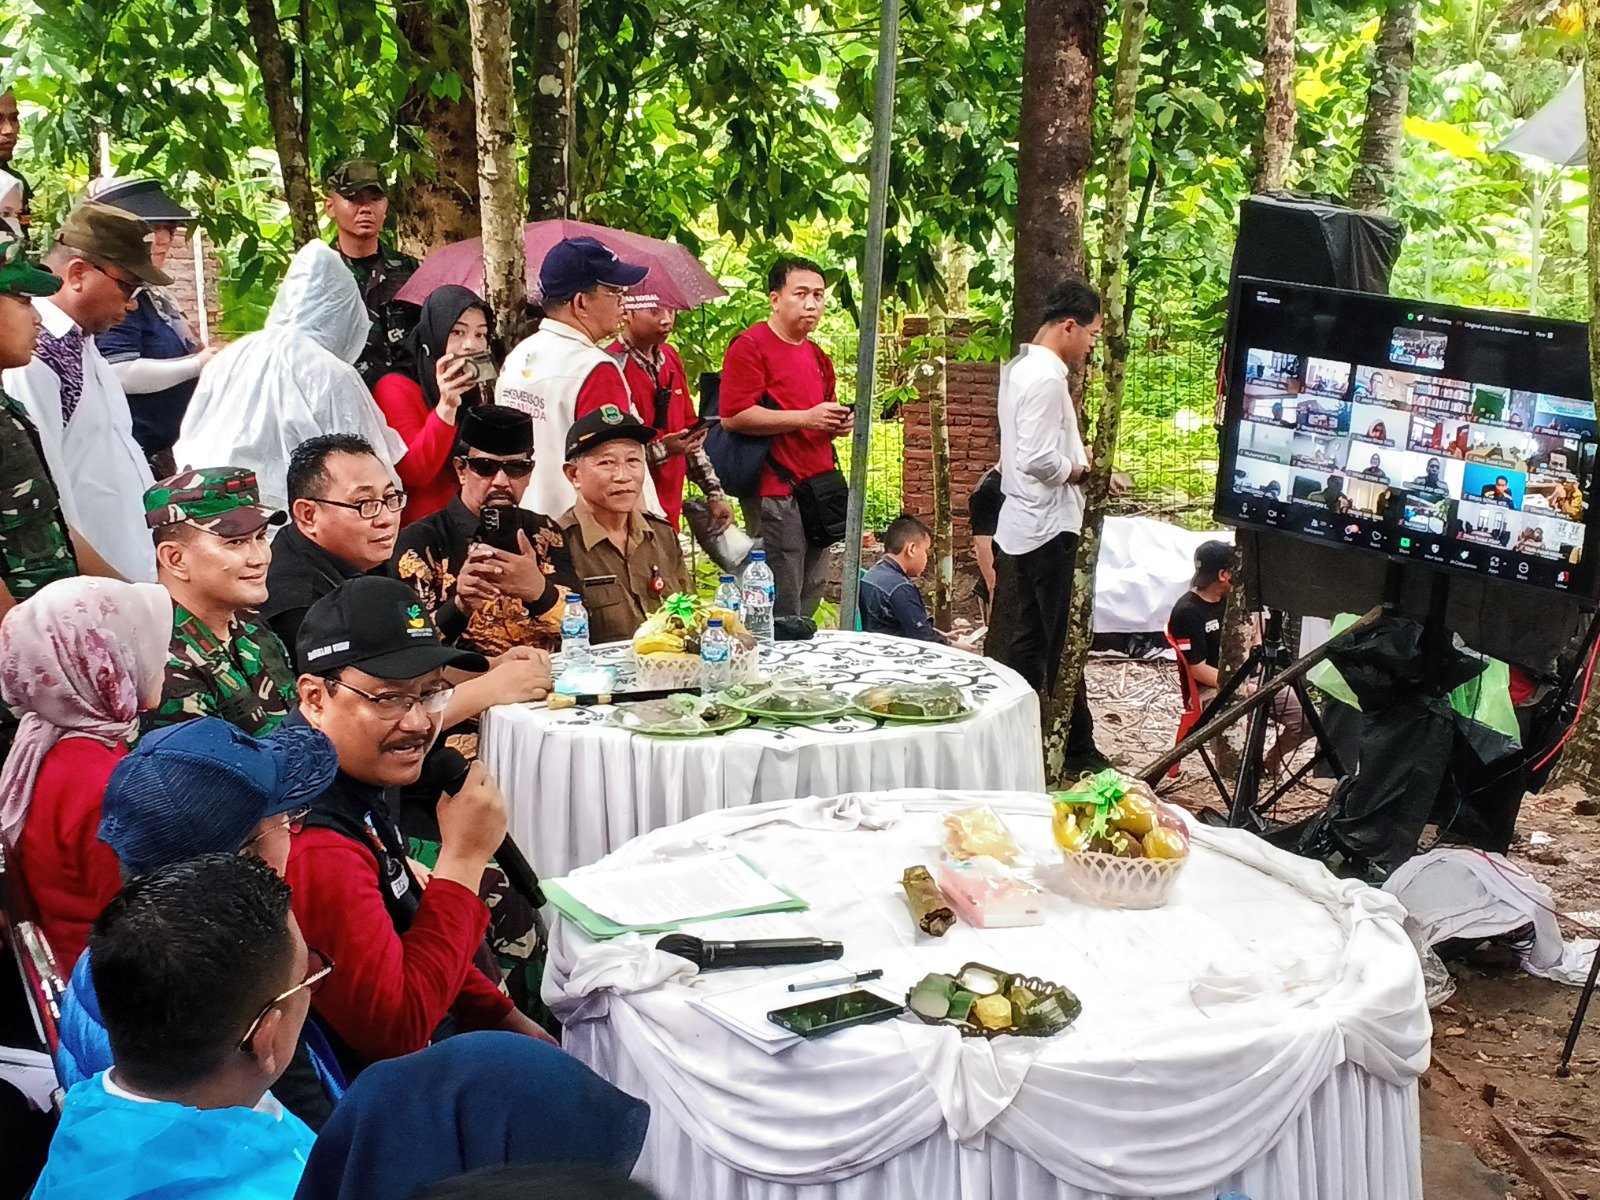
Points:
x=681, y=606
x=1104, y=790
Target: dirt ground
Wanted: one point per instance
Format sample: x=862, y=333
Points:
x=1502, y=1028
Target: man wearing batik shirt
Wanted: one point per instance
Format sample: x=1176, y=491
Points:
x=482, y=596
x=212, y=554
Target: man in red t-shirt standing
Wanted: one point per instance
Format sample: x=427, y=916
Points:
x=659, y=387
x=778, y=383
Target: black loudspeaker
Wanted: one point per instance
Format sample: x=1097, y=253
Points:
x=1306, y=239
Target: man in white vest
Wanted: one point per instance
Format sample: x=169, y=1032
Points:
x=102, y=257
x=562, y=372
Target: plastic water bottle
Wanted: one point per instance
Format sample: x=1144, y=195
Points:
x=728, y=594
x=760, y=596
x=716, y=657
x=574, y=632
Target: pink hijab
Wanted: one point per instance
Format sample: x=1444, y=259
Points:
x=77, y=659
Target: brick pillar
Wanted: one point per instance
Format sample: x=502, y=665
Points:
x=180, y=265
x=972, y=390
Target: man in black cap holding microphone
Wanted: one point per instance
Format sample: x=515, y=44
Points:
x=490, y=572
x=373, y=679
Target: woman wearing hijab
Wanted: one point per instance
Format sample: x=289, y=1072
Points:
x=421, y=403
x=79, y=661
x=472, y=1101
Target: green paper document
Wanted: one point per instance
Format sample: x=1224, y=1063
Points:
x=658, y=897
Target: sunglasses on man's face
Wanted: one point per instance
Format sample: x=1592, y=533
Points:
x=488, y=468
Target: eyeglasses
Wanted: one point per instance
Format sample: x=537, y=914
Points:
x=397, y=706
x=488, y=468
x=611, y=289
x=367, y=510
x=318, y=967
x=294, y=822
x=130, y=291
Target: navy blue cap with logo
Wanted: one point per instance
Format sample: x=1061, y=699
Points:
x=582, y=264
x=608, y=423
x=377, y=625
x=202, y=786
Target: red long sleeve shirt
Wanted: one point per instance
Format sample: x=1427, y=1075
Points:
x=70, y=872
x=425, y=471
x=389, y=990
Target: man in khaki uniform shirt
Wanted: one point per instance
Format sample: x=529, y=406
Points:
x=626, y=560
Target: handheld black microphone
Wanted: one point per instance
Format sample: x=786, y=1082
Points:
x=448, y=769
x=765, y=952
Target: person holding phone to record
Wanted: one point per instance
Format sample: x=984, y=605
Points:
x=439, y=374
x=490, y=572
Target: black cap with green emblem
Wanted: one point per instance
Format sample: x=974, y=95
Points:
x=225, y=501
x=608, y=423
x=18, y=276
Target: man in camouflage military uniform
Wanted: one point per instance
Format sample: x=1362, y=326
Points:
x=35, y=546
x=212, y=555
x=358, y=203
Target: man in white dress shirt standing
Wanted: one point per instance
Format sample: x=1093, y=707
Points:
x=1043, y=463
x=102, y=257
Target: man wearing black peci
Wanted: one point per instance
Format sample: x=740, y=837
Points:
x=486, y=591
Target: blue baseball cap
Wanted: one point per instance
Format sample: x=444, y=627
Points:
x=582, y=264
x=201, y=788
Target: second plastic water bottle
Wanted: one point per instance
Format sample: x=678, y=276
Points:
x=574, y=633
x=716, y=658
x=728, y=594
x=760, y=594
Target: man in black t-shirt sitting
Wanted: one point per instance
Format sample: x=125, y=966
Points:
x=1196, y=629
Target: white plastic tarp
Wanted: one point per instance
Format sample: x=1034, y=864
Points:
x=1145, y=566
x=1555, y=133
x=272, y=390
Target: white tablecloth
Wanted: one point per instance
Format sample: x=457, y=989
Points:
x=1262, y=1032
x=578, y=788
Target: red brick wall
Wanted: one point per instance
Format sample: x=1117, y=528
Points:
x=180, y=265
x=971, y=391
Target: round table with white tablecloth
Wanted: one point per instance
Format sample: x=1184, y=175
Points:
x=578, y=787
x=1262, y=1032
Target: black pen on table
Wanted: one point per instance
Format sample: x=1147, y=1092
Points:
x=837, y=981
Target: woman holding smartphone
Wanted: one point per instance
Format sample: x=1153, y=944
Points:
x=448, y=360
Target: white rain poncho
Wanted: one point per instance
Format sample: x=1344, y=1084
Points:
x=270, y=391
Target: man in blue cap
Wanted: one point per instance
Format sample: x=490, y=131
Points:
x=206, y=787
x=563, y=368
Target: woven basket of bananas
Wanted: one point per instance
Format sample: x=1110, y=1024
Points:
x=666, y=648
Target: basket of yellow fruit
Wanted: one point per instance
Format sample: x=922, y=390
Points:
x=1120, y=846
x=666, y=648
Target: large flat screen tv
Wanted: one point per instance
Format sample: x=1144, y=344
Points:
x=1456, y=437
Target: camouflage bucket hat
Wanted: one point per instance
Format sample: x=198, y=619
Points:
x=18, y=276
x=221, y=500
x=351, y=177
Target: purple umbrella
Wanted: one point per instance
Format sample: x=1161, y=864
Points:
x=676, y=275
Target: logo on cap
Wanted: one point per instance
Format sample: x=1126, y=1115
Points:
x=611, y=414
x=414, y=617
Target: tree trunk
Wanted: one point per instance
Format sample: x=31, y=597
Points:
x=277, y=89
x=434, y=211
x=1060, y=59
x=1277, y=146
x=1113, y=274
x=1383, y=131
x=504, y=266
x=553, y=110
x=1580, y=761
x=943, y=560
x=1277, y=132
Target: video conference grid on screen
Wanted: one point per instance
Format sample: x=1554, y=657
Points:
x=1444, y=435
